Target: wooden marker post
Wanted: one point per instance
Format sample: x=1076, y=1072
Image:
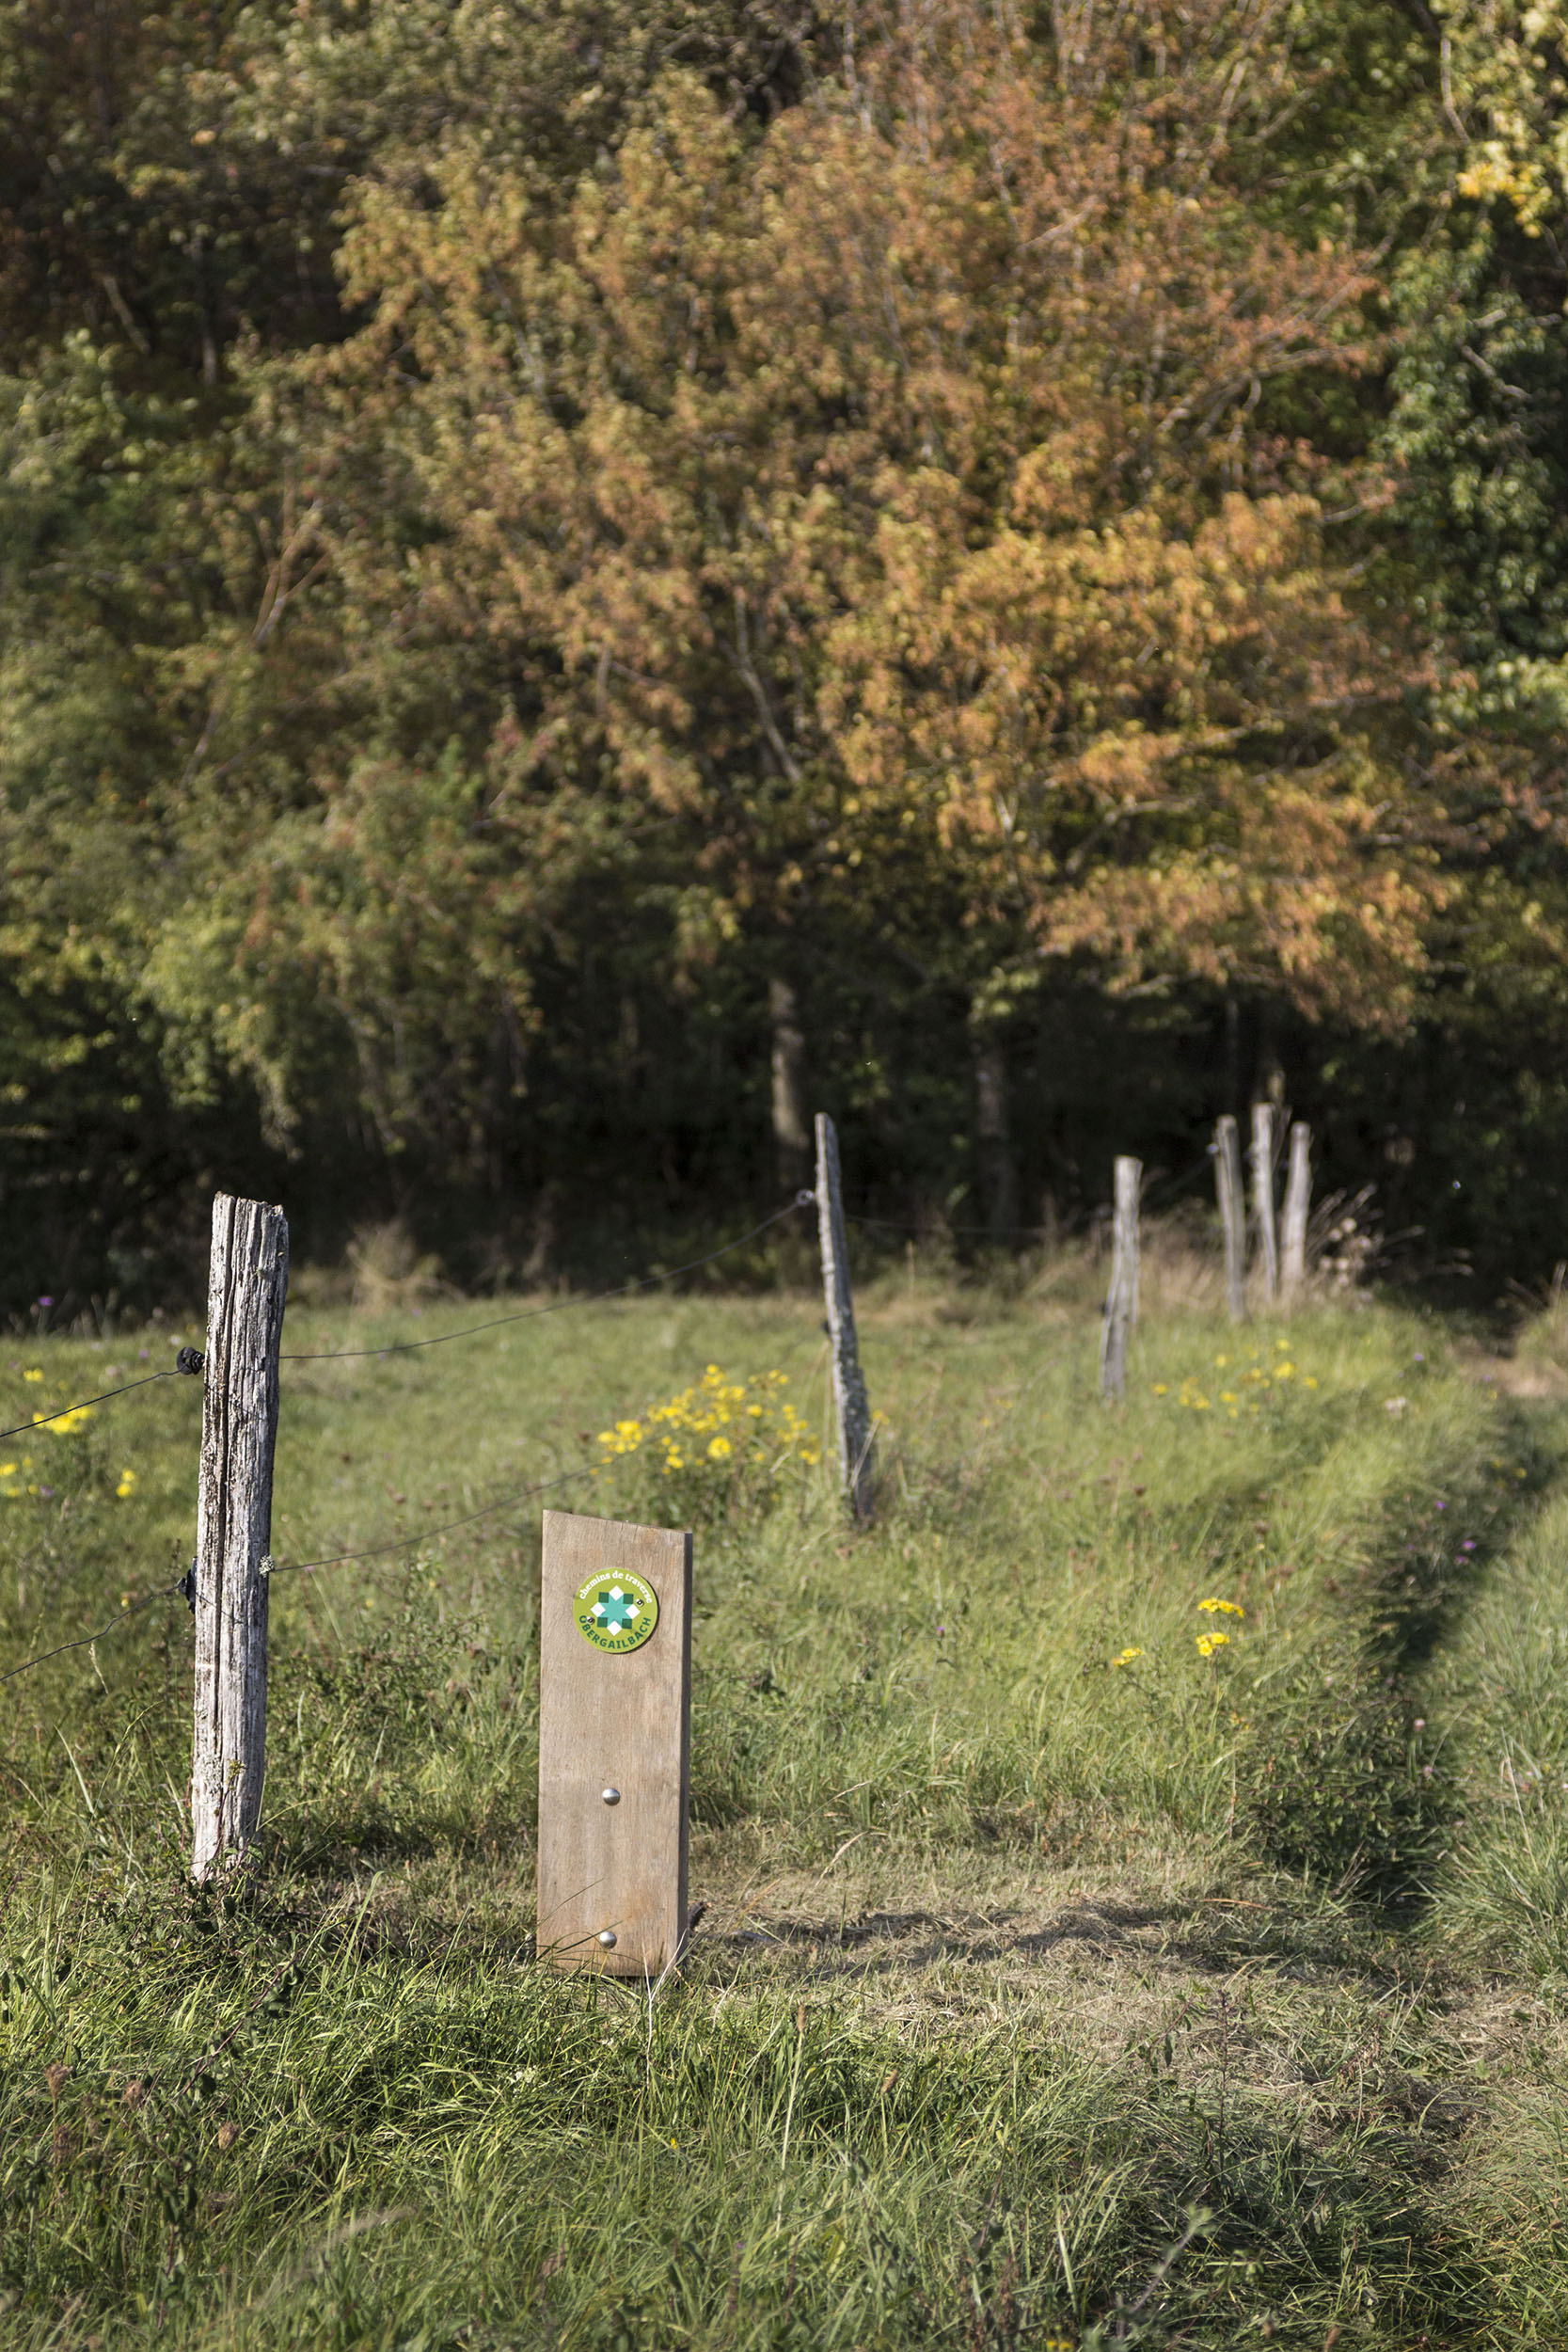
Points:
x=1227, y=1184
x=247, y=1284
x=614, y=1744
x=1121, y=1306
x=1263, y=1198
x=853, y=1410
x=1298, y=1199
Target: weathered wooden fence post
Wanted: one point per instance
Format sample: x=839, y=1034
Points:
x=1298, y=1199
x=1263, y=1198
x=850, y=1398
x=247, y=1284
x=614, y=1744
x=1228, y=1183
x=1121, y=1304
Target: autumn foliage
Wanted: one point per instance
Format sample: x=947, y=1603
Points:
x=930, y=509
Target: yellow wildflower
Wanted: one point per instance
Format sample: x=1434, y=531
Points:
x=1225, y=1608
x=1209, y=1643
x=127, y=1486
x=32, y=1375
x=719, y=1448
x=1127, y=1656
x=64, y=1423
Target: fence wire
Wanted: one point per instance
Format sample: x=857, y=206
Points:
x=555, y=1306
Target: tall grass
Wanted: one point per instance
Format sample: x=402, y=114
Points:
x=1039, y=1995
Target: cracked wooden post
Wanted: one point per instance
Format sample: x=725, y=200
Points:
x=1121, y=1306
x=248, y=1283
x=1226, y=1149
x=1263, y=1198
x=852, y=1411
x=1298, y=1199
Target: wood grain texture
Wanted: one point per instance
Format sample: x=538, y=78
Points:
x=1262, y=1200
x=1298, y=1202
x=1227, y=1185
x=852, y=1409
x=614, y=1722
x=1122, y=1304
x=248, y=1285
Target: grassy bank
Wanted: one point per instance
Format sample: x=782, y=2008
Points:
x=1068, y=1970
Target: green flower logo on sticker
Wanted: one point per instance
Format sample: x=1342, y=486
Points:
x=616, y=1613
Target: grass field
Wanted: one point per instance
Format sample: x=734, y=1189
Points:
x=1214, y=1996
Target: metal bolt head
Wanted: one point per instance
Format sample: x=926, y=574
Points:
x=607, y=1937
x=611, y=1796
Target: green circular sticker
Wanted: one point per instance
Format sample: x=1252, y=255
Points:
x=616, y=1611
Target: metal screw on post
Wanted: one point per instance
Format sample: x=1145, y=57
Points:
x=1121, y=1304
x=1298, y=1199
x=856, y=1468
x=1263, y=1198
x=247, y=1284
x=1226, y=1148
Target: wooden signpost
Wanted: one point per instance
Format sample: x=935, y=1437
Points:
x=1121, y=1306
x=614, y=1744
x=853, y=1409
x=247, y=1284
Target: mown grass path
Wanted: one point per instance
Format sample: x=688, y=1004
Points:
x=1069, y=1971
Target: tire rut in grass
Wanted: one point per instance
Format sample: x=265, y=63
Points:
x=1341, y=1779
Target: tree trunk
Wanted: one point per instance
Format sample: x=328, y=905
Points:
x=998, y=1175
x=791, y=1131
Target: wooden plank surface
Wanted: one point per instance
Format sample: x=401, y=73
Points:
x=614, y=1722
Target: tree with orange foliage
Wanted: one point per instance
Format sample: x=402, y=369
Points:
x=866, y=524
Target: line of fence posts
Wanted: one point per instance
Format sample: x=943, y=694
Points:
x=247, y=1289
x=1281, y=1252
x=1121, y=1303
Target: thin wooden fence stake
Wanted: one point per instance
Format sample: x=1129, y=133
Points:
x=1263, y=1198
x=1121, y=1306
x=853, y=1409
x=1298, y=1199
x=1228, y=1183
x=247, y=1284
